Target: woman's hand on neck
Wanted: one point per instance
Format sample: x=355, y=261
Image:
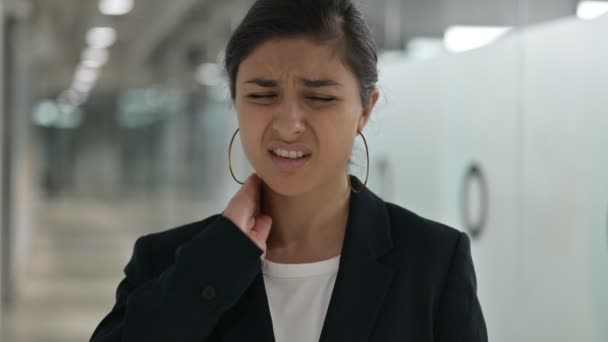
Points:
x=309, y=227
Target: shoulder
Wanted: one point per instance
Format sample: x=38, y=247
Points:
x=155, y=252
x=405, y=223
x=432, y=244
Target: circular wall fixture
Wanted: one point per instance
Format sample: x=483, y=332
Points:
x=474, y=223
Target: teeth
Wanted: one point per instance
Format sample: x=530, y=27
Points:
x=289, y=154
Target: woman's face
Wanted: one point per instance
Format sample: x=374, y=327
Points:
x=299, y=110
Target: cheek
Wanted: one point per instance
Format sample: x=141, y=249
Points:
x=337, y=136
x=251, y=133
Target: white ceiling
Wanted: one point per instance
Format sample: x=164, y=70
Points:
x=162, y=39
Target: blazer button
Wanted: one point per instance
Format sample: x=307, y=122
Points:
x=208, y=292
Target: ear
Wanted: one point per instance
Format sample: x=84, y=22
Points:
x=367, y=111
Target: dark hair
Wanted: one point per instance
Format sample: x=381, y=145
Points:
x=324, y=20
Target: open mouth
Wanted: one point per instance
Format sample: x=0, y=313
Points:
x=289, y=160
x=293, y=155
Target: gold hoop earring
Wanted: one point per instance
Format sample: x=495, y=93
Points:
x=367, y=166
x=230, y=157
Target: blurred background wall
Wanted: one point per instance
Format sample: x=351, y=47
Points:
x=1, y=159
x=116, y=120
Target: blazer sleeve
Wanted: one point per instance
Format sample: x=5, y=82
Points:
x=460, y=317
x=185, y=302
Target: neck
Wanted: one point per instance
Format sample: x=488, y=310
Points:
x=308, y=227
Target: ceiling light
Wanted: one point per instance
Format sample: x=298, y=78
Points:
x=70, y=98
x=424, y=48
x=82, y=87
x=46, y=113
x=94, y=58
x=86, y=75
x=589, y=10
x=101, y=37
x=209, y=74
x=464, y=38
x=115, y=7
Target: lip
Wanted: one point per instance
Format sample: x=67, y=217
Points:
x=289, y=165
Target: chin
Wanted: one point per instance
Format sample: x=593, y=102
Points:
x=287, y=185
x=286, y=182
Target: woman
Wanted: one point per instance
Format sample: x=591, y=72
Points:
x=303, y=252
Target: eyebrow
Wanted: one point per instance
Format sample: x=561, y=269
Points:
x=263, y=83
x=310, y=83
x=319, y=83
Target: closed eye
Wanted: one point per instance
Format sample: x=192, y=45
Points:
x=262, y=96
x=321, y=98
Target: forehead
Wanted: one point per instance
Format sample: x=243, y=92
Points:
x=295, y=57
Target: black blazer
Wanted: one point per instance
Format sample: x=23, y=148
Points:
x=401, y=278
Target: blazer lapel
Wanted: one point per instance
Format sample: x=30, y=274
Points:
x=362, y=281
x=249, y=319
x=358, y=293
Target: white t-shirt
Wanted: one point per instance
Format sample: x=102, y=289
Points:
x=298, y=296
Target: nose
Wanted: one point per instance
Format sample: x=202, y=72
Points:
x=288, y=122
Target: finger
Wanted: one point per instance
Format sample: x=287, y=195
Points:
x=243, y=199
x=248, y=190
x=263, y=225
x=250, y=223
x=251, y=193
x=251, y=183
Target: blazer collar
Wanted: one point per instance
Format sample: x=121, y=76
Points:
x=362, y=281
x=360, y=287
x=368, y=229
